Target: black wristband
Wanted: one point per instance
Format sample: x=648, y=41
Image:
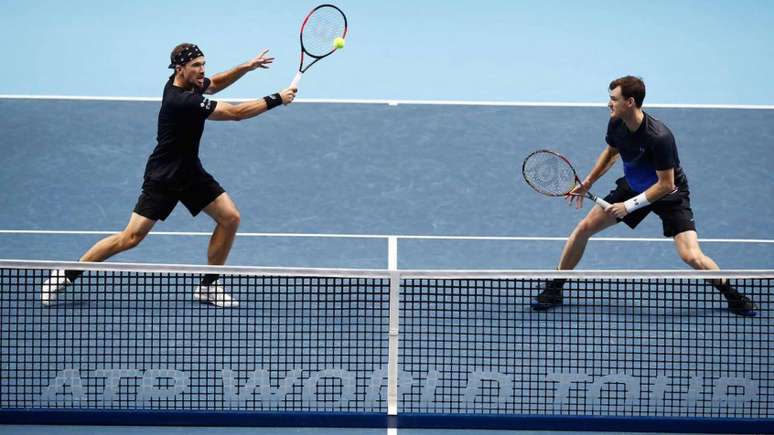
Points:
x=272, y=101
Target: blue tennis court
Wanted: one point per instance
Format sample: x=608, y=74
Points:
x=370, y=187
x=409, y=170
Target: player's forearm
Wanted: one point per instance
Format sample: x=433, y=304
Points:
x=251, y=109
x=662, y=187
x=604, y=162
x=236, y=112
x=656, y=192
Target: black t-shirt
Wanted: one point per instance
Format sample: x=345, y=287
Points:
x=175, y=160
x=652, y=147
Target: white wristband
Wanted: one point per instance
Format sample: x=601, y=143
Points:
x=635, y=203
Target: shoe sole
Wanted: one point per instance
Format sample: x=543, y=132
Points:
x=215, y=304
x=744, y=313
x=542, y=306
x=232, y=305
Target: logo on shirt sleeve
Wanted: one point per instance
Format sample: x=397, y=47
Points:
x=205, y=104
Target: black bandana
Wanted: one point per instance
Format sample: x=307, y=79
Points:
x=186, y=56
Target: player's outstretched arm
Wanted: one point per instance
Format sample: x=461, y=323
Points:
x=225, y=79
x=236, y=112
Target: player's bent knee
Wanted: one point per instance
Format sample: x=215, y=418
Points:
x=231, y=219
x=234, y=219
x=586, y=228
x=692, y=258
x=130, y=239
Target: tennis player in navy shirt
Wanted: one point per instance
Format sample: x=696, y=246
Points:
x=175, y=174
x=653, y=181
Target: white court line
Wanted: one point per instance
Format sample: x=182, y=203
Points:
x=392, y=431
x=381, y=236
x=76, y=97
x=392, y=253
x=396, y=102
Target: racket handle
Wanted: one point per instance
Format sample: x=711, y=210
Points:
x=296, y=79
x=600, y=202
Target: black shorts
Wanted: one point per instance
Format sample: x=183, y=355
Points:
x=674, y=209
x=157, y=200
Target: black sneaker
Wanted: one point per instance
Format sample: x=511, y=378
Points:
x=738, y=303
x=550, y=297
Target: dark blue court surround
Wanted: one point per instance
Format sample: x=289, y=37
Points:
x=226, y=419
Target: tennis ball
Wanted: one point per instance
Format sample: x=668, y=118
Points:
x=338, y=42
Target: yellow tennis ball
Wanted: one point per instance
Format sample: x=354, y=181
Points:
x=338, y=42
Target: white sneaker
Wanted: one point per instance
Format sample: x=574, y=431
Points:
x=52, y=286
x=214, y=294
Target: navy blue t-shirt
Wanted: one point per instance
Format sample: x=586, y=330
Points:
x=175, y=160
x=650, y=148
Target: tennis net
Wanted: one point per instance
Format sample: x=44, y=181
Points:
x=623, y=344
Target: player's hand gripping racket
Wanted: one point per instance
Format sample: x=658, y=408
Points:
x=550, y=173
x=319, y=30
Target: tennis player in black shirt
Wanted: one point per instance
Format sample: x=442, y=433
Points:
x=174, y=172
x=653, y=181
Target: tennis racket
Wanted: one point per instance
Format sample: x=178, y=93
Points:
x=320, y=28
x=550, y=173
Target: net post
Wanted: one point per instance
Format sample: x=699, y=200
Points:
x=392, y=355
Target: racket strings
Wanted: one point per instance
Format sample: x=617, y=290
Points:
x=549, y=174
x=323, y=26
